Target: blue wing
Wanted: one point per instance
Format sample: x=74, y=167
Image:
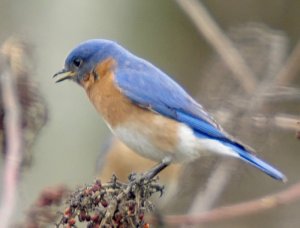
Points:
x=158, y=92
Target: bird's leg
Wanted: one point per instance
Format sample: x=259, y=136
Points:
x=156, y=169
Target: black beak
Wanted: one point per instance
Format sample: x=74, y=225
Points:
x=66, y=75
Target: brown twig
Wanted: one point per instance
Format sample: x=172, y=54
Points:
x=213, y=34
x=281, y=93
x=291, y=68
x=13, y=130
x=276, y=56
x=292, y=194
x=281, y=120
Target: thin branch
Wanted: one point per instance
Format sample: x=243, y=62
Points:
x=213, y=34
x=11, y=107
x=276, y=55
x=283, y=121
x=281, y=93
x=291, y=68
x=290, y=195
x=214, y=187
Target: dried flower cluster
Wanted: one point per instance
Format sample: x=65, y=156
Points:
x=113, y=204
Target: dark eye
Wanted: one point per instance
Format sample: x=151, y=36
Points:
x=77, y=62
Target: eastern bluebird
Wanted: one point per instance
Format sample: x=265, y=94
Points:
x=147, y=110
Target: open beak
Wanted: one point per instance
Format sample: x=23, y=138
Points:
x=65, y=75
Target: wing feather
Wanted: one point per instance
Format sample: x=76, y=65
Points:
x=156, y=91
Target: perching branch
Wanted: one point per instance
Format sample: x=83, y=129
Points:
x=112, y=204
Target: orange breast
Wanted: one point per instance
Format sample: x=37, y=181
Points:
x=118, y=110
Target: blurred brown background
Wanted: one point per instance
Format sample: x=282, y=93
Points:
x=159, y=31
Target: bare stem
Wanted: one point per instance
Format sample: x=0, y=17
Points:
x=291, y=68
x=217, y=182
x=12, y=123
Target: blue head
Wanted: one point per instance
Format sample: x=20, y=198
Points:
x=83, y=58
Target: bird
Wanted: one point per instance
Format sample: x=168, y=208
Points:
x=149, y=111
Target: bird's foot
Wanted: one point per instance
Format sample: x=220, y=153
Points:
x=149, y=176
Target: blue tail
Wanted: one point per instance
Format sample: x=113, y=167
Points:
x=209, y=130
x=258, y=163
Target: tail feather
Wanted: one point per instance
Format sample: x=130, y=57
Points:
x=258, y=163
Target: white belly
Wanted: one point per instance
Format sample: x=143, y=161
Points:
x=188, y=146
x=139, y=143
